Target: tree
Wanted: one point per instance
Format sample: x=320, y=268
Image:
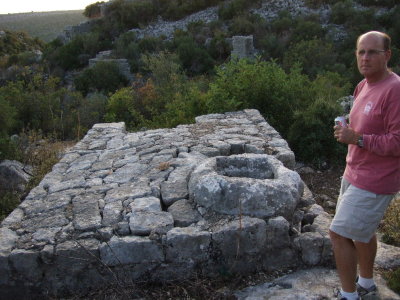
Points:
x=104, y=77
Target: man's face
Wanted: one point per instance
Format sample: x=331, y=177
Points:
x=372, y=58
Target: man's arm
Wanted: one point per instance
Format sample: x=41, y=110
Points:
x=387, y=144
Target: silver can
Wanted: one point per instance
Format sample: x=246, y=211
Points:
x=341, y=121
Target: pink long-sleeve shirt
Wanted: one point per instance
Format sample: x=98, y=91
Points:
x=376, y=114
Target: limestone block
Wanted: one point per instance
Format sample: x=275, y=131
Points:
x=47, y=254
x=176, y=187
x=130, y=250
x=311, y=246
x=242, y=46
x=187, y=244
x=278, y=259
x=51, y=202
x=7, y=240
x=67, y=185
x=26, y=264
x=146, y=204
x=128, y=192
x=48, y=219
x=5, y=271
x=86, y=212
x=46, y=234
x=146, y=222
x=127, y=173
x=183, y=213
x=277, y=233
x=240, y=237
x=112, y=213
x=210, y=187
x=286, y=156
x=14, y=175
x=207, y=151
x=123, y=228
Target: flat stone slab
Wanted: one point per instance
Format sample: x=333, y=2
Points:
x=310, y=284
x=121, y=205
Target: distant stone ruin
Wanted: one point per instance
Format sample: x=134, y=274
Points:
x=242, y=47
x=122, y=63
x=71, y=32
x=217, y=196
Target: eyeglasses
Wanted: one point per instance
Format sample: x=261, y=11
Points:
x=372, y=52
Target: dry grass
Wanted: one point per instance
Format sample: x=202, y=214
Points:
x=390, y=227
x=43, y=25
x=42, y=154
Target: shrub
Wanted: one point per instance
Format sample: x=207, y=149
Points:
x=69, y=56
x=17, y=42
x=8, y=202
x=8, y=148
x=104, y=77
x=121, y=108
x=194, y=58
x=314, y=56
x=7, y=115
x=342, y=12
x=219, y=48
x=311, y=133
x=242, y=25
x=230, y=9
x=390, y=227
x=260, y=85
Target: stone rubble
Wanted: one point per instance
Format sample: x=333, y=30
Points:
x=123, y=206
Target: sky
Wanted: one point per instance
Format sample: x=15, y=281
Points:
x=20, y=6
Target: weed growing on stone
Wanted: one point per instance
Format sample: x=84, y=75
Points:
x=391, y=234
x=42, y=154
x=393, y=280
x=391, y=225
x=8, y=201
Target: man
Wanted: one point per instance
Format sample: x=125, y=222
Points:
x=372, y=174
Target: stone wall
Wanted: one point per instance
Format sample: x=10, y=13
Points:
x=216, y=196
x=122, y=63
x=242, y=47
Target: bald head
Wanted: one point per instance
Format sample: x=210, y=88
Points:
x=385, y=39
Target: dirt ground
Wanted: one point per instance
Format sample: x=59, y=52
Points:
x=324, y=185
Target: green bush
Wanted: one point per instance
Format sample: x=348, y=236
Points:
x=315, y=56
x=121, y=108
x=7, y=115
x=8, y=202
x=194, y=58
x=393, y=280
x=76, y=53
x=260, y=85
x=167, y=98
x=104, y=77
x=17, y=42
x=219, y=48
x=8, y=148
x=242, y=25
x=230, y=9
x=311, y=133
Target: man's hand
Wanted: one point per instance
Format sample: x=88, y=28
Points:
x=346, y=135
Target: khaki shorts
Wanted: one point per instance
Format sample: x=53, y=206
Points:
x=358, y=212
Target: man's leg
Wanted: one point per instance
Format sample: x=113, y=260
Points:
x=366, y=253
x=346, y=261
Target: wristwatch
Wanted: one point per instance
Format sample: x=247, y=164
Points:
x=360, y=141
